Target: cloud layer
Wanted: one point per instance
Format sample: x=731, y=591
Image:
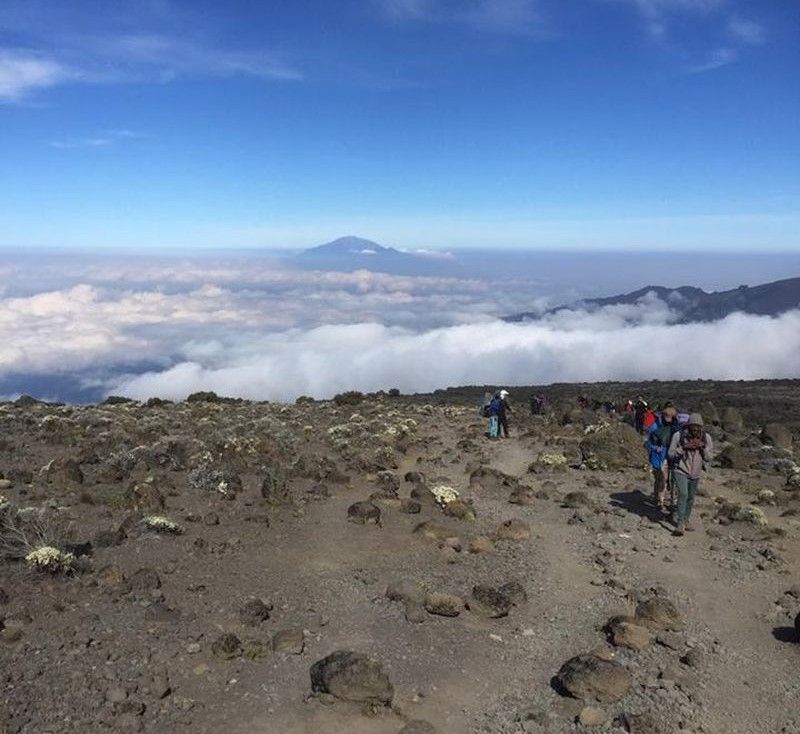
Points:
x=150, y=327
x=321, y=362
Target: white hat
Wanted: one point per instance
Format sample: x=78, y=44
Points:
x=503, y=393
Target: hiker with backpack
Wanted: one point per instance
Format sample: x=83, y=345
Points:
x=659, y=438
x=690, y=452
x=640, y=408
x=503, y=409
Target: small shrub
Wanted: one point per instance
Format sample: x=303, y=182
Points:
x=162, y=525
x=50, y=559
x=116, y=400
x=351, y=397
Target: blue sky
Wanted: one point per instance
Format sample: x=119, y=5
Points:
x=601, y=124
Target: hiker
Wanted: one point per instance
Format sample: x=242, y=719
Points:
x=690, y=451
x=537, y=404
x=489, y=410
x=659, y=438
x=503, y=408
x=649, y=420
x=639, y=410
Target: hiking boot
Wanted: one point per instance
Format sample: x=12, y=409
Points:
x=679, y=528
x=688, y=528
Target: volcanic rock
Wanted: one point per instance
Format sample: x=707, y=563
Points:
x=512, y=530
x=352, y=676
x=778, y=435
x=489, y=602
x=227, y=646
x=254, y=611
x=364, y=512
x=405, y=591
x=732, y=421
x=443, y=605
x=274, y=486
x=589, y=678
x=658, y=613
x=63, y=471
x=612, y=446
x=288, y=641
x=628, y=634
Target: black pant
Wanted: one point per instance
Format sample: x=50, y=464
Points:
x=503, y=421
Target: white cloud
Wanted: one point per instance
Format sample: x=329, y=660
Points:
x=137, y=57
x=86, y=326
x=22, y=72
x=330, y=359
x=103, y=139
x=172, y=57
x=747, y=31
x=243, y=328
x=716, y=59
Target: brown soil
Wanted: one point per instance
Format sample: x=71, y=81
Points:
x=83, y=652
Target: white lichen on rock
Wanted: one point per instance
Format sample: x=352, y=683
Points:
x=751, y=514
x=444, y=494
x=162, y=524
x=50, y=559
x=552, y=459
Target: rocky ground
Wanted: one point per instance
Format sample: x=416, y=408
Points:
x=376, y=565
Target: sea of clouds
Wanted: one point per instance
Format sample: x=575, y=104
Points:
x=260, y=330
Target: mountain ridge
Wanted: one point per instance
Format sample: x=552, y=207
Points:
x=693, y=304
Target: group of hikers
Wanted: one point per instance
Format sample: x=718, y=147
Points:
x=496, y=408
x=678, y=447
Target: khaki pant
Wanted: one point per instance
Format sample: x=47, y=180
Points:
x=662, y=494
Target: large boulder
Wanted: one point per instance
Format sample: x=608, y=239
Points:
x=274, y=487
x=732, y=421
x=710, y=413
x=352, y=676
x=613, y=446
x=63, y=471
x=489, y=479
x=658, y=613
x=591, y=679
x=778, y=435
x=737, y=457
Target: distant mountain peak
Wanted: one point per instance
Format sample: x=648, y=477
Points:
x=350, y=245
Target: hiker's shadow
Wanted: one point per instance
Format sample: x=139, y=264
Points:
x=638, y=503
x=786, y=634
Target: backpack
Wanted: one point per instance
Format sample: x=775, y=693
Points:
x=486, y=410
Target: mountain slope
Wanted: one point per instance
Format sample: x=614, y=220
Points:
x=695, y=305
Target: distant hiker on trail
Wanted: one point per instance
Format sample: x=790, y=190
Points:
x=538, y=403
x=639, y=411
x=489, y=410
x=690, y=451
x=501, y=407
x=659, y=438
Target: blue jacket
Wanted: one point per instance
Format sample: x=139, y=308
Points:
x=656, y=450
x=496, y=407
